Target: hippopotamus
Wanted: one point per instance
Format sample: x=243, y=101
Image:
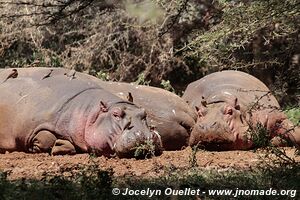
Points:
x=231, y=103
x=50, y=113
x=167, y=114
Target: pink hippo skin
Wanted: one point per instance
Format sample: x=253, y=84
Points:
x=227, y=103
x=168, y=114
x=47, y=113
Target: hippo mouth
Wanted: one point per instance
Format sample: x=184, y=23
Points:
x=136, y=144
x=221, y=139
x=224, y=145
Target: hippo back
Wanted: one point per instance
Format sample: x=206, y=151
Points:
x=168, y=113
x=29, y=104
x=228, y=85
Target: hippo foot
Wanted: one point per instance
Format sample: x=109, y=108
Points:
x=63, y=147
x=43, y=142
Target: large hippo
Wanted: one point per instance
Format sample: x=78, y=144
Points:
x=167, y=113
x=46, y=113
x=229, y=104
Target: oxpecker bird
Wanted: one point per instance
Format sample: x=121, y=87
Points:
x=48, y=75
x=13, y=74
x=71, y=74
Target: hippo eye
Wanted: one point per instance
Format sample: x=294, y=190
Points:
x=118, y=113
x=152, y=128
x=200, y=114
x=201, y=111
x=229, y=111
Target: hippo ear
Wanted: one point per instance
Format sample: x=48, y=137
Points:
x=197, y=108
x=103, y=106
x=236, y=104
x=130, y=97
x=204, y=103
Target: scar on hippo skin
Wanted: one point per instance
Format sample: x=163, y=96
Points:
x=13, y=74
x=233, y=101
x=47, y=75
x=63, y=147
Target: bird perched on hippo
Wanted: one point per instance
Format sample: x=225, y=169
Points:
x=50, y=113
x=229, y=104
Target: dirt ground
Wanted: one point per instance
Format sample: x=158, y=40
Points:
x=37, y=166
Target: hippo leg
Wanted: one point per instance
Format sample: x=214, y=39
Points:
x=63, y=147
x=43, y=142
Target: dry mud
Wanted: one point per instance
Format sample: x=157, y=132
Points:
x=37, y=166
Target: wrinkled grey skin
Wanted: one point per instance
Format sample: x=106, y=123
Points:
x=61, y=116
x=227, y=103
x=167, y=114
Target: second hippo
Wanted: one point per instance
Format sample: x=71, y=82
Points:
x=231, y=103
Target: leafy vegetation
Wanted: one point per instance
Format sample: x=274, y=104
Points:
x=253, y=36
x=144, y=150
x=162, y=43
x=193, y=158
x=89, y=183
x=294, y=115
x=260, y=135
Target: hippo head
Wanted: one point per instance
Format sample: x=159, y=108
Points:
x=119, y=129
x=220, y=126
